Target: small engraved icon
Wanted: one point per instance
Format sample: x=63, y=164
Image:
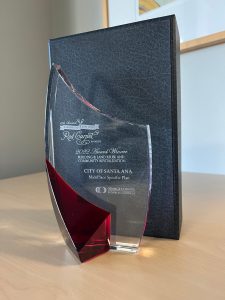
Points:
x=101, y=189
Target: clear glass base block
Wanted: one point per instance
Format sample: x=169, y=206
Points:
x=99, y=172
x=124, y=244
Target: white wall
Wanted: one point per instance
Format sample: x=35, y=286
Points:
x=75, y=16
x=62, y=17
x=203, y=110
x=24, y=33
x=122, y=12
x=195, y=18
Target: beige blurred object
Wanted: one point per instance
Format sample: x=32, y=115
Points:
x=35, y=263
x=105, y=14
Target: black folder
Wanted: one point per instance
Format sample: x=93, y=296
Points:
x=132, y=72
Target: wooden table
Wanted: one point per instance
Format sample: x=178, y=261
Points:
x=35, y=264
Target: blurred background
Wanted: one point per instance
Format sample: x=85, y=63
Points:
x=27, y=25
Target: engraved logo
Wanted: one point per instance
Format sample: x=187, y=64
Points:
x=77, y=131
x=100, y=189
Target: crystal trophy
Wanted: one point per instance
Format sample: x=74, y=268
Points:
x=99, y=172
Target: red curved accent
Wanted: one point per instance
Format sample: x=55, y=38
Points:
x=87, y=224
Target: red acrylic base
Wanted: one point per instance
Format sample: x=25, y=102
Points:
x=87, y=224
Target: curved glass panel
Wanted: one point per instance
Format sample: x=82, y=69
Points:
x=99, y=171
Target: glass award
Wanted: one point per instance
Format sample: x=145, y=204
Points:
x=99, y=172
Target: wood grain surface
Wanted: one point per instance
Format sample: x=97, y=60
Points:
x=35, y=263
x=203, y=42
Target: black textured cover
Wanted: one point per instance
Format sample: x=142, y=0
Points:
x=132, y=72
